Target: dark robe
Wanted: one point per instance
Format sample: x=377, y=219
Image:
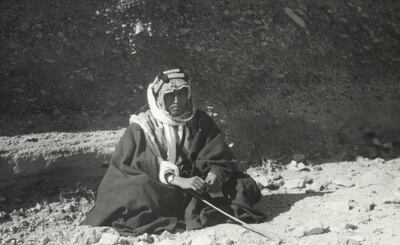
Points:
x=131, y=198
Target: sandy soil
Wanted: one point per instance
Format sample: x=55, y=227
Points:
x=332, y=203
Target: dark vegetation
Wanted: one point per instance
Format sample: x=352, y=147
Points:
x=320, y=78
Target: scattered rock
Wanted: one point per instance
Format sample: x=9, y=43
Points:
x=351, y=241
x=295, y=17
x=387, y=145
x=38, y=26
x=109, y=239
x=317, y=168
x=318, y=186
x=198, y=48
x=86, y=236
x=275, y=184
x=184, y=31
x=262, y=181
x=260, y=33
x=349, y=226
x=49, y=60
x=343, y=181
x=376, y=141
x=292, y=165
x=146, y=238
x=298, y=157
x=3, y=216
x=32, y=140
x=125, y=241
x=45, y=240
x=166, y=235
x=69, y=207
x=14, y=229
x=2, y=199
x=265, y=191
x=25, y=223
x=60, y=34
x=11, y=241
x=270, y=182
x=356, y=239
x=302, y=167
x=378, y=160
x=90, y=78
x=308, y=180
x=295, y=183
x=378, y=231
x=369, y=207
x=392, y=201
x=226, y=241
x=315, y=228
x=351, y=204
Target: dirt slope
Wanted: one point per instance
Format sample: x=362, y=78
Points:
x=311, y=77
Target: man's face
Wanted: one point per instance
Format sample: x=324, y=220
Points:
x=175, y=102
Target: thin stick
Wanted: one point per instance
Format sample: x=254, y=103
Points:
x=245, y=225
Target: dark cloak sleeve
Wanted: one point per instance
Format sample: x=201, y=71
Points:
x=209, y=152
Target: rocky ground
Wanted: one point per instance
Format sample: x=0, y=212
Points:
x=332, y=203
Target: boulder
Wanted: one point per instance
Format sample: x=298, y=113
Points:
x=292, y=165
x=295, y=183
x=108, y=239
x=86, y=235
x=314, y=228
x=343, y=181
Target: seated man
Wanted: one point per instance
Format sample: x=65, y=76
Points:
x=164, y=152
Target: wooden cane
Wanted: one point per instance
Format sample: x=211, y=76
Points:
x=244, y=225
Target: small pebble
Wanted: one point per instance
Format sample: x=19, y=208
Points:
x=370, y=207
x=108, y=239
x=146, y=238
x=350, y=227
x=3, y=199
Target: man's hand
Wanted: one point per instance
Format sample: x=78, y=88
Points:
x=214, y=182
x=195, y=183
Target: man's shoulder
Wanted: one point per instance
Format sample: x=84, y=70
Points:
x=202, y=116
x=202, y=120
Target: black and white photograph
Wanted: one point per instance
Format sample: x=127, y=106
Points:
x=213, y=122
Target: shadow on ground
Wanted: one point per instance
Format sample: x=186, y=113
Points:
x=275, y=204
